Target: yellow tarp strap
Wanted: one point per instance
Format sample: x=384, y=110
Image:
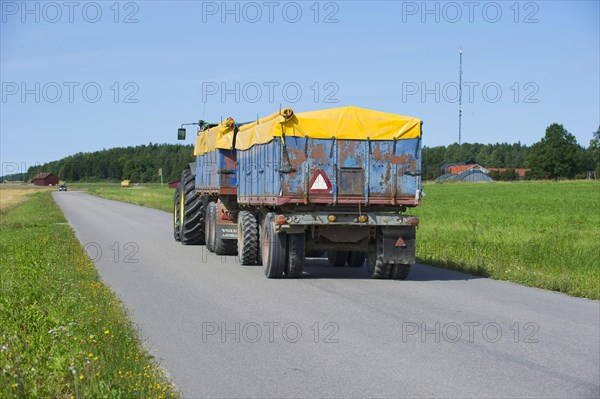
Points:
x=345, y=123
x=220, y=136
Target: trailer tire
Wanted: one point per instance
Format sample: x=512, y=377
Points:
x=356, y=259
x=209, y=232
x=296, y=254
x=176, y=206
x=191, y=225
x=337, y=258
x=273, y=248
x=375, y=264
x=247, y=238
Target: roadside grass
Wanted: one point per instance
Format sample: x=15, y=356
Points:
x=64, y=334
x=540, y=234
x=149, y=194
x=12, y=193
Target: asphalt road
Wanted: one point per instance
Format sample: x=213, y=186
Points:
x=221, y=329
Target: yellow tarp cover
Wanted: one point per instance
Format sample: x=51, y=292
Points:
x=342, y=123
x=220, y=136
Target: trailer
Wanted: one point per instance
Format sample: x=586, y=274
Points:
x=207, y=189
x=337, y=181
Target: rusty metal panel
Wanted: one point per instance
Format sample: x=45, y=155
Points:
x=216, y=169
x=367, y=171
x=351, y=181
x=258, y=170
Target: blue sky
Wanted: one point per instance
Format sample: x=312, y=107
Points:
x=93, y=75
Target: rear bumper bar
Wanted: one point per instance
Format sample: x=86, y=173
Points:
x=349, y=219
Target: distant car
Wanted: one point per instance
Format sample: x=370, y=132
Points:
x=63, y=187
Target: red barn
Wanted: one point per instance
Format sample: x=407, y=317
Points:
x=45, y=179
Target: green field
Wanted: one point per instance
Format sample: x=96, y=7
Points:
x=146, y=194
x=540, y=234
x=63, y=333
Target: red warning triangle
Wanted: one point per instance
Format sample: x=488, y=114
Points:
x=319, y=183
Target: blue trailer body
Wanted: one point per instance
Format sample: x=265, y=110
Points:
x=354, y=171
x=216, y=172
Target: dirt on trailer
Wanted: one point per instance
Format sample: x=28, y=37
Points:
x=12, y=194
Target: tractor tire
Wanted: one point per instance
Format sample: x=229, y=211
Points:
x=210, y=233
x=176, y=206
x=356, y=259
x=191, y=226
x=274, y=252
x=296, y=254
x=247, y=238
x=337, y=258
x=376, y=267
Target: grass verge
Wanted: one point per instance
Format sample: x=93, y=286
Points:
x=150, y=195
x=12, y=193
x=64, y=334
x=540, y=234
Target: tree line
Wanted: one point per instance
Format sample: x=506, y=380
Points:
x=139, y=164
x=557, y=155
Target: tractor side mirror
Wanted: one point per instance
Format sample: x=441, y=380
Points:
x=181, y=133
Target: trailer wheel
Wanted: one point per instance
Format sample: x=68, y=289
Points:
x=296, y=254
x=209, y=233
x=176, y=200
x=400, y=271
x=356, y=259
x=376, y=266
x=247, y=238
x=337, y=258
x=191, y=225
x=273, y=248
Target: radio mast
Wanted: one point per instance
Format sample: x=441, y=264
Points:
x=460, y=96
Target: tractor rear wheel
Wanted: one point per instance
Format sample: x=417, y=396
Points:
x=191, y=225
x=176, y=206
